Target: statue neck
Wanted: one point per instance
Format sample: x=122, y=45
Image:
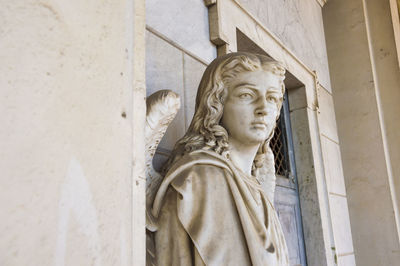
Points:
x=242, y=155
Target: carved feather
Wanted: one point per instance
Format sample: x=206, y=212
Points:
x=162, y=106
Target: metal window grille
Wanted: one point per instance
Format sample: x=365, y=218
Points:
x=279, y=146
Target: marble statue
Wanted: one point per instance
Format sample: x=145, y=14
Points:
x=213, y=203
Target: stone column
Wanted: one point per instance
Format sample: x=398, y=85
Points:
x=71, y=144
x=366, y=81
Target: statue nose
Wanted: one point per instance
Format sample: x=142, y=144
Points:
x=262, y=107
x=261, y=111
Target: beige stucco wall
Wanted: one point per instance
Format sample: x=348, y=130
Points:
x=387, y=84
x=365, y=82
x=66, y=154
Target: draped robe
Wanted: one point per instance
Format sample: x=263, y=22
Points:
x=211, y=213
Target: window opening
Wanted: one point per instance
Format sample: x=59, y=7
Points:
x=279, y=144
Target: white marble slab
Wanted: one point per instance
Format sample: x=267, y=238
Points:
x=341, y=224
x=326, y=115
x=166, y=73
x=184, y=22
x=333, y=166
x=348, y=260
x=192, y=71
x=298, y=24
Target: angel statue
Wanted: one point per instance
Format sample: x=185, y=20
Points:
x=212, y=203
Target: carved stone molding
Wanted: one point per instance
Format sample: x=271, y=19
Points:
x=228, y=16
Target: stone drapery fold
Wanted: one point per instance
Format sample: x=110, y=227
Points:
x=209, y=213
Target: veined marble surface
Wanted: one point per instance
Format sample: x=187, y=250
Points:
x=298, y=24
x=189, y=28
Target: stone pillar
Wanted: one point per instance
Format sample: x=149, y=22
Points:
x=366, y=81
x=71, y=144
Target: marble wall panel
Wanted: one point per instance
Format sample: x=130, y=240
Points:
x=326, y=115
x=298, y=24
x=185, y=22
x=297, y=98
x=341, y=224
x=333, y=166
x=347, y=260
x=193, y=71
x=313, y=207
x=166, y=73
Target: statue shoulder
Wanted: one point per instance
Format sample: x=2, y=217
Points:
x=196, y=173
x=199, y=171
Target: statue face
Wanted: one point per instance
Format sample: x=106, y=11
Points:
x=252, y=106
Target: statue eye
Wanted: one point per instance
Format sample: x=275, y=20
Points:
x=272, y=98
x=245, y=96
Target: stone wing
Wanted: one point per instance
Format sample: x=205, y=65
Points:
x=162, y=106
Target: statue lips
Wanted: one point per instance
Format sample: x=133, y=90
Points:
x=260, y=124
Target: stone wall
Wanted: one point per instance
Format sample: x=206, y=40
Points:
x=178, y=50
x=67, y=182
x=298, y=24
x=365, y=81
x=184, y=23
x=179, y=72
